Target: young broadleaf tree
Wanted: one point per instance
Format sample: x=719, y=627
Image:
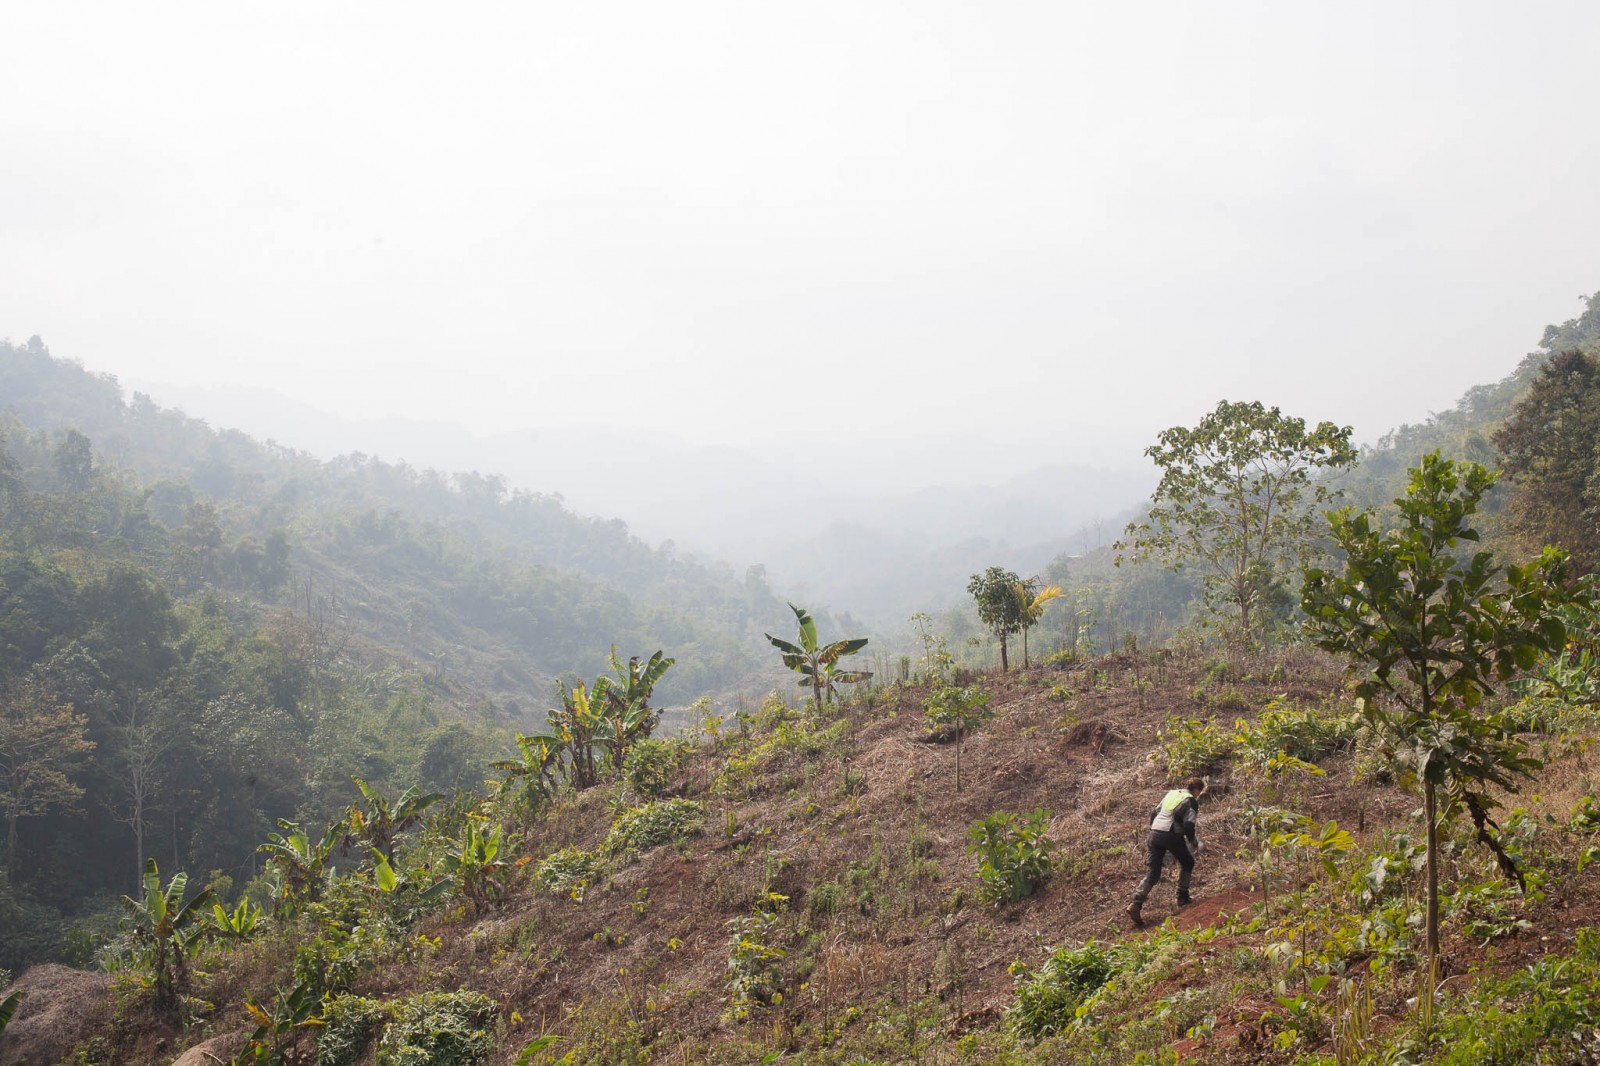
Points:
x=999, y=607
x=1237, y=502
x=1433, y=629
x=818, y=663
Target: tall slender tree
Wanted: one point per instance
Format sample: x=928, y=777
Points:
x=1430, y=628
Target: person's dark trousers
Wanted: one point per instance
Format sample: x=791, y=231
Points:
x=1161, y=845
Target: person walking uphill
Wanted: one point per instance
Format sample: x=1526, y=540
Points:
x=1172, y=831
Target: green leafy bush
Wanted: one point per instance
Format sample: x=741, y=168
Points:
x=753, y=980
x=1191, y=746
x=651, y=764
x=569, y=872
x=1549, y=715
x=1307, y=735
x=822, y=900
x=347, y=1025
x=789, y=741
x=1546, y=1012
x=1014, y=856
x=439, y=1029
x=659, y=822
x=1048, y=998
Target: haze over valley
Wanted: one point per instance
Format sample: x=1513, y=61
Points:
x=718, y=533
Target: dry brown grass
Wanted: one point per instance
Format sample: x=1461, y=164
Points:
x=61, y=1007
x=868, y=841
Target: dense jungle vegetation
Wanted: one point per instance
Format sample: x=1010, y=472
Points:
x=258, y=696
x=228, y=632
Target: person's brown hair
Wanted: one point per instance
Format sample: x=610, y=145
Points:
x=1195, y=786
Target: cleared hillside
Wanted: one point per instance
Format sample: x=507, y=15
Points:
x=815, y=899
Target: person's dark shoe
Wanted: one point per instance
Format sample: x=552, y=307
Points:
x=1184, y=901
x=1134, y=909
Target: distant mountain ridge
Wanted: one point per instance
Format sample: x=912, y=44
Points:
x=876, y=547
x=512, y=588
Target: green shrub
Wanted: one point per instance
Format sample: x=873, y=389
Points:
x=1280, y=729
x=347, y=1025
x=658, y=822
x=1013, y=855
x=1585, y=816
x=1546, y=1012
x=1191, y=746
x=822, y=901
x=1048, y=997
x=1549, y=715
x=569, y=872
x=751, y=773
x=439, y=1029
x=651, y=763
x=753, y=979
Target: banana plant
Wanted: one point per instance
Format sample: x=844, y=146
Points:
x=302, y=864
x=377, y=822
x=237, y=924
x=613, y=714
x=540, y=765
x=386, y=880
x=817, y=663
x=169, y=926
x=635, y=681
x=579, y=722
x=628, y=715
x=476, y=865
x=277, y=1023
x=622, y=725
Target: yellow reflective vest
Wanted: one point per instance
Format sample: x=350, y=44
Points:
x=1167, y=819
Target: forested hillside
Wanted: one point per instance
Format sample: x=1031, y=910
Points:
x=504, y=589
x=201, y=634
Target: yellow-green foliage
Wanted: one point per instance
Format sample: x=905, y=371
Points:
x=347, y=1026
x=659, y=822
x=744, y=774
x=1191, y=746
x=1283, y=733
x=439, y=1029
x=569, y=872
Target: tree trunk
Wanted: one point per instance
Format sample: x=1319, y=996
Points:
x=1005, y=666
x=1025, y=647
x=1430, y=811
x=138, y=842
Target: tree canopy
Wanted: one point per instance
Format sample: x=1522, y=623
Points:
x=1238, y=501
x=999, y=606
x=1548, y=445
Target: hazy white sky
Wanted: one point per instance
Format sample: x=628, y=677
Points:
x=739, y=221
